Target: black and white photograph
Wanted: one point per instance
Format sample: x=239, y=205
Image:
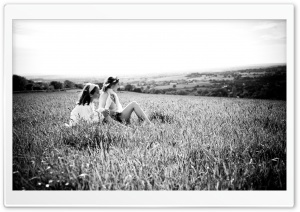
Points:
x=149, y=105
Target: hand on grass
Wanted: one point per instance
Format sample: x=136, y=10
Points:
x=105, y=112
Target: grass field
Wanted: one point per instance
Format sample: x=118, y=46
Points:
x=197, y=143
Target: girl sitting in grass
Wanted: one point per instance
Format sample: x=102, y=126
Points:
x=85, y=109
x=111, y=108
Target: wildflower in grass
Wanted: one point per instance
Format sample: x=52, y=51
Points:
x=128, y=178
x=83, y=175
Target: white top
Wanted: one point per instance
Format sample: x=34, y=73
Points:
x=109, y=100
x=84, y=112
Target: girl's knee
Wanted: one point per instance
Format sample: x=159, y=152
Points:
x=134, y=103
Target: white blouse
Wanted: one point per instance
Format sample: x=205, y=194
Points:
x=111, y=103
x=84, y=112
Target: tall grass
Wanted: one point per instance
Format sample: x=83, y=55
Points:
x=197, y=143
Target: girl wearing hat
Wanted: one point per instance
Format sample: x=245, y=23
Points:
x=110, y=107
x=85, y=109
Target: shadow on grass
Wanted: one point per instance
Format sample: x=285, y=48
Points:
x=161, y=117
x=81, y=138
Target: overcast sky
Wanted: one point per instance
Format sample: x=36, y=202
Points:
x=123, y=47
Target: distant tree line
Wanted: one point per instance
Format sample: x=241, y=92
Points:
x=271, y=85
x=22, y=84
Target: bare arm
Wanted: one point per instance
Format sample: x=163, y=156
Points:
x=102, y=104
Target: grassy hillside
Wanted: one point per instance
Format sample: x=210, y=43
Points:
x=198, y=143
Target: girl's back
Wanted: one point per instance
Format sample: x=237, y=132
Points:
x=84, y=112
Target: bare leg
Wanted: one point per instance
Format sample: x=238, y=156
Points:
x=133, y=106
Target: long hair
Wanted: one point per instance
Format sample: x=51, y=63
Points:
x=110, y=81
x=85, y=97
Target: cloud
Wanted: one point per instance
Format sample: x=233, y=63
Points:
x=272, y=37
x=129, y=47
x=264, y=26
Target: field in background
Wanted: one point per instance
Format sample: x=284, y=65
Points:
x=197, y=143
x=178, y=86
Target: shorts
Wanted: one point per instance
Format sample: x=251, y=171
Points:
x=116, y=117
